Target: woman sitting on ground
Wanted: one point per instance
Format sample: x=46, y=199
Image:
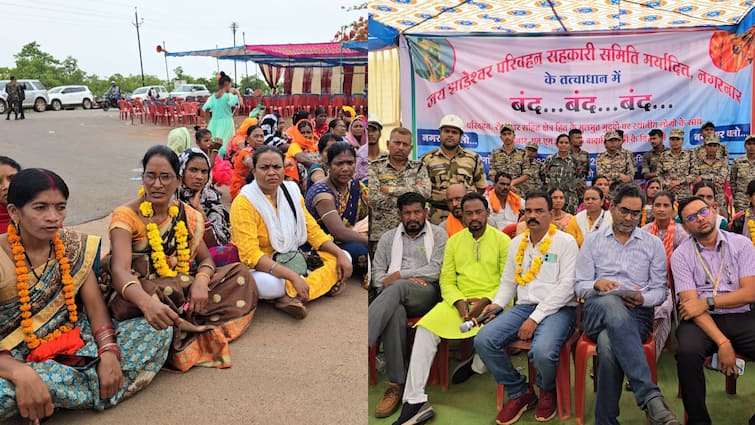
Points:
x=652, y=188
x=302, y=153
x=58, y=346
x=8, y=168
x=317, y=172
x=242, y=161
x=195, y=191
x=340, y=202
x=239, y=140
x=160, y=268
x=357, y=134
x=269, y=224
x=273, y=136
x=321, y=121
x=672, y=234
x=338, y=127
x=592, y=218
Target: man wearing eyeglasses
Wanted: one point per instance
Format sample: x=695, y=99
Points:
x=714, y=273
x=472, y=268
x=621, y=275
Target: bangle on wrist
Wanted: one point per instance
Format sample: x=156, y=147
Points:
x=722, y=343
x=209, y=266
x=275, y=264
x=209, y=278
x=126, y=285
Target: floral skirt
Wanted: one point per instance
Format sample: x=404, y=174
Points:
x=144, y=351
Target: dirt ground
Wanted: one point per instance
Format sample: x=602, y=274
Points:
x=284, y=371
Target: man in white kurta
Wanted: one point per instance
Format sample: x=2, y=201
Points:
x=540, y=270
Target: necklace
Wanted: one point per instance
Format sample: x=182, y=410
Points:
x=47, y=263
x=156, y=242
x=524, y=280
x=750, y=225
x=24, y=299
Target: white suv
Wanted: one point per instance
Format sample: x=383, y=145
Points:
x=186, y=90
x=70, y=96
x=35, y=95
x=143, y=92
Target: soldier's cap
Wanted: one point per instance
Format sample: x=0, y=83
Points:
x=507, y=126
x=612, y=135
x=373, y=121
x=750, y=138
x=712, y=140
x=531, y=145
x=708, y=124
x=676, y=133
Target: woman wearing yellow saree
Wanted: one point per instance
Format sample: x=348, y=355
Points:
x=156, y=241
x=58, y=346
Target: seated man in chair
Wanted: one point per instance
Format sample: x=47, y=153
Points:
x=472, y=268
x=623, y=258
x=714, y=273
x=540, y=271
x=405, y=271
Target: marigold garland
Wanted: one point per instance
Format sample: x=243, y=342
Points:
x=22, y=285
x=183, y=253
x=750, y=225
x=524, y=280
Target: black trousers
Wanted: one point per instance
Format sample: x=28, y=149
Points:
x=695, y=346
x=12, y=107
x=20, y=108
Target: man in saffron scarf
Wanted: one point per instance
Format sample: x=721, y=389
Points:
x=452, y=224
x=472, y=268
x=505, y=206
x=540, y=271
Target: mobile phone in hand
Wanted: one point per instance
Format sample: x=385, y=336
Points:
x=80, y=363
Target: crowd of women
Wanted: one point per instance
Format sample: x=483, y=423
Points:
x=85, y=329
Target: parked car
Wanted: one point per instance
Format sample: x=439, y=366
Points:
x=36, y=94
x=70, y=96
x=187, y=90
x=143, y=92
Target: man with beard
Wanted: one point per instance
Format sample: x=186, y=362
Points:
x=391, y=176
x=472, y=268
x=452, y=224
x=540, y=272
x=505, y=205
x=405, y=271
x=449, y=164
x=508, y=158
x=623, y=257
x=714, y=273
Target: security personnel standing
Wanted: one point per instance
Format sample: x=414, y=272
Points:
x=712, y=167
x=450, y=164
x=532, y=171
x=508, y=158
x=615, y=163
x=675, y=164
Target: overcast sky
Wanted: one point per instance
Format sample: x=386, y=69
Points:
x=100, y=34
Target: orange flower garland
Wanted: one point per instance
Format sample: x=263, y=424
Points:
x=524, y=279
x=22, y=285
x=183, y=253
x=750, y=225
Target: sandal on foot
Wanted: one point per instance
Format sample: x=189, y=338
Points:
x=292, y=307
x=336, y=289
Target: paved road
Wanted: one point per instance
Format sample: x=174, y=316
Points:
x=94, y=151
x=284, y=371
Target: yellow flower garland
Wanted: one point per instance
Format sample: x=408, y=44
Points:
x=750, y=225
x=536, y=262
x=22, y=275
x=183, y=253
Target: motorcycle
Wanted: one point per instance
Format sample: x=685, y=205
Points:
x=105, y=103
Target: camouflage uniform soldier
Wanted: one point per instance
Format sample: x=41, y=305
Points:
x=559, y=170
x=12, y=101
x=675, y=164
x=708, y=129
x=391, y=176
x=615, y=163
x=583, y=160
x=450, y=164
x=508, y=158
x=713, y=168
x=650, y=158
x=742, y=172
x=532, y=171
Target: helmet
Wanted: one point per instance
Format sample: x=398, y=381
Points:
x=451, y=120
x=112, y=83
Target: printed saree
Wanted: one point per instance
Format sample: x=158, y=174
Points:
x=144, y=349
x=204, y=340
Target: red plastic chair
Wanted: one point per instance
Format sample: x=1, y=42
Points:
x=586, y=348
x=563, y=374
x=123, y=110
x=510, y=230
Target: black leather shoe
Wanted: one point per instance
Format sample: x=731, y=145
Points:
x=414, y=414
x=658, y=412
x=463, y=371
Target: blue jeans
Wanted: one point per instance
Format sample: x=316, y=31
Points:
x=549, y=336
x=619, y=333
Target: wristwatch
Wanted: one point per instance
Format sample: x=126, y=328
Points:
x=711, y=303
